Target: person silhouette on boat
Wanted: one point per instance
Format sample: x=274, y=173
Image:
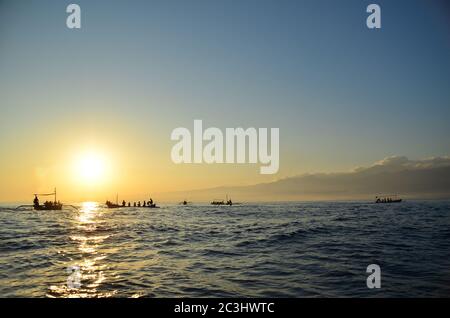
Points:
x=123, y=203
x=134, y=204
x=150, y=201
x=139, y=203
x=129, y=204
x=36, y=201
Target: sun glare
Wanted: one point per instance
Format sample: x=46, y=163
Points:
x=90, y=168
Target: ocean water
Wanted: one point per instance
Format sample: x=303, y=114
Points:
x=251, y=250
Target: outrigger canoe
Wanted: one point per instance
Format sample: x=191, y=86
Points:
x=110, y=205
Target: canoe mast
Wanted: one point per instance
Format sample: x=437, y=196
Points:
x=47, y=194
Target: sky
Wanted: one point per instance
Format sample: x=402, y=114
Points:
x=342, y=95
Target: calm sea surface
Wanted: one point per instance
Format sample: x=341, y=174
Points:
x=260, y=250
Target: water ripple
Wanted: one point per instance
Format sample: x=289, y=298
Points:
x=255, y=250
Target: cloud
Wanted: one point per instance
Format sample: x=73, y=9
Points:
x=400, y=163
x=393, y=161
x=404, y=162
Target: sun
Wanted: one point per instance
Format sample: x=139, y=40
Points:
x=90, y=167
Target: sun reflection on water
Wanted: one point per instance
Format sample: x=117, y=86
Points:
x=89, y=261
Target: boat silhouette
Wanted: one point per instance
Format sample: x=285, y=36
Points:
x=388, y=199
x=116, y=205
x=222, y=202
x=47, y=205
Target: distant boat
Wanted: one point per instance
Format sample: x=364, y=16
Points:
x=388, y=199
x=227, y=202
x=48, y=205
x=112, y=205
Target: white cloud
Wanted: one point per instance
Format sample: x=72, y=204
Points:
x=402, y=162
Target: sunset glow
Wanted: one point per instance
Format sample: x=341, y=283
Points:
x=90, y=168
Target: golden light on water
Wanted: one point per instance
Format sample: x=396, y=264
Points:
x=88, y=245
x=91, y=261
x=87, y=213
